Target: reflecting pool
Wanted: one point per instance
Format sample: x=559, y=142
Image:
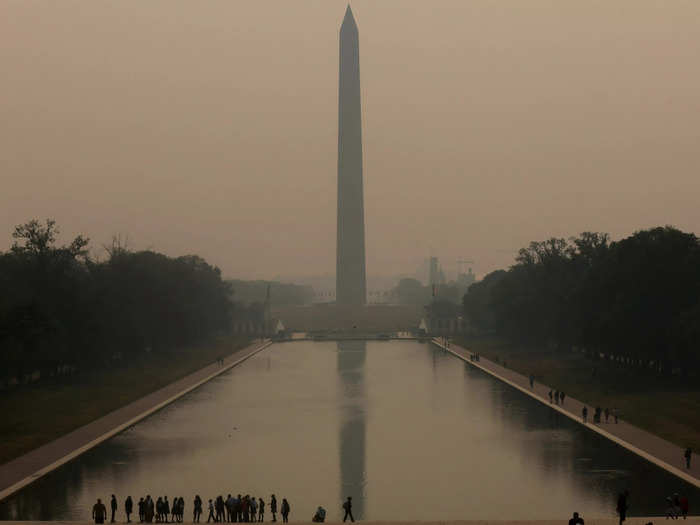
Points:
x=408, y=431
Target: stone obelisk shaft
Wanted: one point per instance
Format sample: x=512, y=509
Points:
x=351, y=287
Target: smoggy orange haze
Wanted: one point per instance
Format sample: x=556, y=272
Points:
x=210, y=127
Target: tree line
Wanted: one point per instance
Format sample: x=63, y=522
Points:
x=636, y=301
x=62, y=309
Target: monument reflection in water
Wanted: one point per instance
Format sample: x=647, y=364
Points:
x=351, y=362
x=407, y=430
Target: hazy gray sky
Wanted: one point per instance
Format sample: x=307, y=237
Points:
x=211, y=127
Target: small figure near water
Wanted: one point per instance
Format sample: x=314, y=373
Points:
x=284, y=509
x=99, y=511
x=622, y=505
x=128, y=508
x=273, y=507
x=576, y=520
x=347, y=507
x=197, y=513
x=320, y=515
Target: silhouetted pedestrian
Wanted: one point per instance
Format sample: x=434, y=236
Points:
x=622, y=506
x=142, y=510
x=150, y=508
x=562, y=395
x=607, y=414
x=532, y=381
x=576, y=520
x=261, y=510
x=211, y=516
x=113, y=505
x=684, y=506
x=671, y=511
x=99, y=511
x=273, y=507
x=284, y=509
x=197, y=512
x=128, y=508
x=615, y=415
x=687, y=455
x=550, y=396
x=584, y=414
x=253, y=510
x=347, y=507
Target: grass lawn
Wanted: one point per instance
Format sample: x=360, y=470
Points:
x=666, y=406
x=36, y=414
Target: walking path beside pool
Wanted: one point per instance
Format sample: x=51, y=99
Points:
x=21, y=471
x=649, y=446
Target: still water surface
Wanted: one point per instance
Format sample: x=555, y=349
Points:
x=408, y=431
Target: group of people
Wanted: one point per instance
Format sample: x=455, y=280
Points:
x=555, y=395
x=242, y=509
x=239, y=509
x=676, y=506
x=599, y=413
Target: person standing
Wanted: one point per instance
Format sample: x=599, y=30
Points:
x=607, y=414
x=273, y=507
x=113, y=505
x=142, y=510
x=197, y=509
x=253, y=510
x=550, y=396
x=148, y=509
x=622, y=505
x=128, y=508
x=285, y=510
x=562, y=395
x=99, y=511
x=684, y=506
x=584, y=414
x=347, y=507
x=532, y=381
x=688, y=453
x=261, y=510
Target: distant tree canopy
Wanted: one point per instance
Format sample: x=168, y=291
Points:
x=59, y=307
x=282, y=294
x=637, y=299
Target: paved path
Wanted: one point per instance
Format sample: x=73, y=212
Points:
x=21, y=471
x=651, y=447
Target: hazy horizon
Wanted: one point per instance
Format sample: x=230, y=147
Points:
x=212, y=128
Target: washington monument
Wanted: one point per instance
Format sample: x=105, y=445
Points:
x=350, y=284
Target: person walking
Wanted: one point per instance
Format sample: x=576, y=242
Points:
x=684, y=506
x=128, y=508
x=261, y=510
x=687, y=454
x=285, y=510
x=239, y=508
x=562, y=395
x=113, y=505
x=347, y=507
x=142, y=510
x=622, y=505
x=99, y=511
x=273, y=507
x=550, y=396
x=211, y=512
x=584, y=414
